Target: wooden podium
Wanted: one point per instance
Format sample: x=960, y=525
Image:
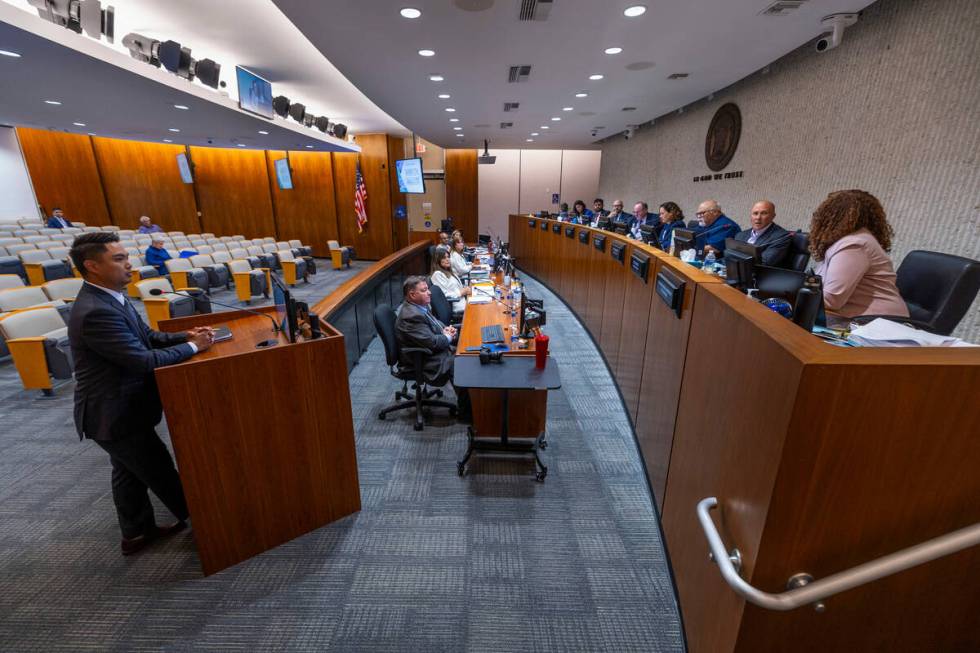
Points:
x=264, y=437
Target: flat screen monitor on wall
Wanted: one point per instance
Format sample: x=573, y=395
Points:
x=283, y=176
x=185, y=169
x=410, y=179
x=254, y=93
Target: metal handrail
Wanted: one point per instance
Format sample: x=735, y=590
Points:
x=806, y=591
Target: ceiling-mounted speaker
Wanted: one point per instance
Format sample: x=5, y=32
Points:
x=340, y=130
x=297, y=111
x=280, y=104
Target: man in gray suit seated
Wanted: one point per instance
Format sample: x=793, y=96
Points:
x=416, y=326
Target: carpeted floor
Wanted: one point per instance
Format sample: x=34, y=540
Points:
x=493, y=561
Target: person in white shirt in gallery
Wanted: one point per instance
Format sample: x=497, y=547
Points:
x=449, y=282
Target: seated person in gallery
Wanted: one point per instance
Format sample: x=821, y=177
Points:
x=157, y=255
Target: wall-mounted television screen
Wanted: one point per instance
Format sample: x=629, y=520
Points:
x=254, y=93
x=184, y=166
x=409, y=172
x=283, y=175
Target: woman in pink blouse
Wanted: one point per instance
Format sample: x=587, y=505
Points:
x=849, y=237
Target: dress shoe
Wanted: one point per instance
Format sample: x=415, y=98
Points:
x=131, y=545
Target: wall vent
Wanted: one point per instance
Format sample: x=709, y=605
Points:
x=506, y=125
x=782, y=7
x=678, y=76
x=537, y=10
x=511, y=106
x=518, y=74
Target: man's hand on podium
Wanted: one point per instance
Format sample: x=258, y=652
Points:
x=202, y=337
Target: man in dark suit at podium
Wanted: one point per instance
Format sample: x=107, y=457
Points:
x=116, y=400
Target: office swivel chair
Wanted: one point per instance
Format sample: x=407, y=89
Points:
x=384, y=323
x=442, y=308
x=937, y=288
x=798, y=255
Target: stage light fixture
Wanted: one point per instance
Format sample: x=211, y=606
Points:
x=280, y=104
x=322, y=123
x=143, y=48
x=174, y=57
x=207, y=71
x=297, y=111
x=340, y=130
x=309, y=120
x=79, y=16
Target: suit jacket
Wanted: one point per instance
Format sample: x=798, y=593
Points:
x=54, y=224
x=115, y=353
x=651, y=219
x=416, y=327
x=773, y=253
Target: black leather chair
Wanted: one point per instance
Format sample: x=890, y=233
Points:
x=420, y=397
x=798, y=256
x=442, y=308
x=938, y=289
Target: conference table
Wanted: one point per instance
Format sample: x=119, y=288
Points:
x=797, y=458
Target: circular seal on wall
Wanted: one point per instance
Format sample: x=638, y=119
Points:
x=722, y=139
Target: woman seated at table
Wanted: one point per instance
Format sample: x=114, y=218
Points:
x=580, y=214
x=447, y=280
x=671, y=216
x=458, y=260
x=849, y=237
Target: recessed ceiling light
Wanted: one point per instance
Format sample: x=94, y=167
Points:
x=534, y=133
x=241, y=145
x=450, y=110
x=8, y=53
x=54, y=102
x=310, y=146
x=545, y=127
x=182, y=107
x=167, y=140
x=568, y=108
x=79, y=124
x=454, y=120
x=263, y=132
x=427, y=53
x=410, y=12
x=444, y=96
x=555, y=119
x=581, y=95
x=457, y=129
x=596, y=77
x=91, y=133
x=460, y=135
x=530, y=140
x=436, y=78
x=173, y=129
x=613, y=50
x=635, y=10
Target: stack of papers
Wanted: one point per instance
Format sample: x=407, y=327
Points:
x=482, y=294
x=885, y=333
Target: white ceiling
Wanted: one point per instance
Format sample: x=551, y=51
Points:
x=717, y=42
x=122, y=97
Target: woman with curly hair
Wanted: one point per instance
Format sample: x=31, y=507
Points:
x=849, y=237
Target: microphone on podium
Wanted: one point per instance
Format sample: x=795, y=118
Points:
x=276, y=328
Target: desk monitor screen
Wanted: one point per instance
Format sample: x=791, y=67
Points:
x=621, y=228
x=409, y=173
x=778, y=282
x=649, y=234
x=683, y=240
x=732, y=245
x=603, y=223
x=184, y=167
x=254, y=93
x=739, y=268
x=285, y=307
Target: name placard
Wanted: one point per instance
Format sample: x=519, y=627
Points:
x=671, y=290
x=583, y=237
x=640, y=264
x=599, y=242
x=532, y=223
x=618, y=251
x=570, y=232
x=556, y=228
x=544, y=225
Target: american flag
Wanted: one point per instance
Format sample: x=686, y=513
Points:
x=360, y=199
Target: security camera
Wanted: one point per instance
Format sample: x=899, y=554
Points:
x=835, y=23
x=630, y=131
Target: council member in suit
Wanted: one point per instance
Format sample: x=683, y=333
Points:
x=116, y=400
x=617, y=214
x=598, y=209
x=772, y=240
x=641, y=217
x=58, y=220
x=715, y=228
x=416, y=326
x=850, y=237
x=671, y=217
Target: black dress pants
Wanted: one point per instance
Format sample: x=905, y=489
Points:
x=141, y=462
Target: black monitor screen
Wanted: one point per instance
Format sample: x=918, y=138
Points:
x=778, y=282
x=683, y=240
x=732, y=245
x=254, y=93
x=409, y=173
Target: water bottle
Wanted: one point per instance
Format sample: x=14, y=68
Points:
x=709, y=262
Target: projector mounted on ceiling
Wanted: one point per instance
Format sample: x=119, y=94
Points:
x=485, y=158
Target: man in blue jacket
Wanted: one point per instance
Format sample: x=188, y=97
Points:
x=715, y=228
x=58, y=220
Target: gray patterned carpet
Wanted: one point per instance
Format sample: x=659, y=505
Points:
x=490, y=562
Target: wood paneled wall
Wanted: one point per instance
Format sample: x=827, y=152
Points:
x=308, y=211
x=110, y=181
x=142, y=179
x=462, y=191
x=65, y=174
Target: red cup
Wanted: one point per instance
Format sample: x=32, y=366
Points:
x=540, y=351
